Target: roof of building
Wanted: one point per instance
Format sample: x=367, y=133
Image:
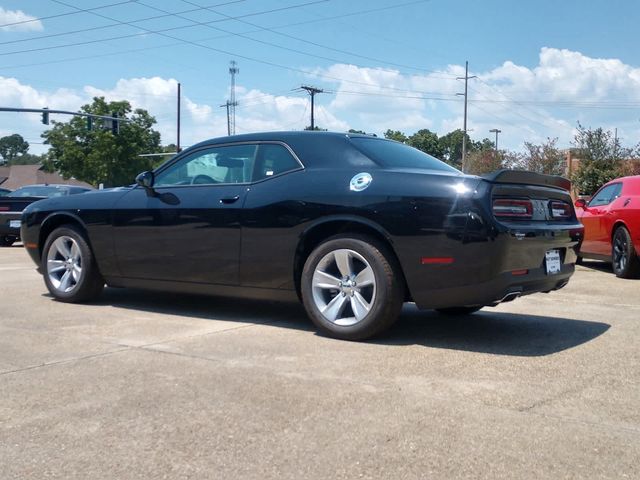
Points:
x=17, y=176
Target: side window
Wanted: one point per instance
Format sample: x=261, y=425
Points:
x=606, y=195
x=227, y=164
x=273, y=159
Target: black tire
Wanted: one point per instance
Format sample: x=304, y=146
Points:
x=384, y=296
x=579, y=260
x=458, y=310
x=7, y=241
x=82, y=287
x=624, y=259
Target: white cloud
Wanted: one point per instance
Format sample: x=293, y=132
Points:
x=528, y=103
x=21, y=21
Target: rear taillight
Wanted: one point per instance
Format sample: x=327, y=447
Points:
x=4, y=208
x=506, y=207
x=559, y=209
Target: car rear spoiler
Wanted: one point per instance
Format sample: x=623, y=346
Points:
x=528, y=178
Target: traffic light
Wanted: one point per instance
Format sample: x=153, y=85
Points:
x=45, y=116
x=115, y=124
x=89, y=123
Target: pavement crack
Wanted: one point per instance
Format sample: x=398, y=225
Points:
x=66, y=360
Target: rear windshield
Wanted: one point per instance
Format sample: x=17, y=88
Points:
x=40, y=191
x=398, y=155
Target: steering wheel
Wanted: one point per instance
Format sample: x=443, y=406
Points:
x=202, y=179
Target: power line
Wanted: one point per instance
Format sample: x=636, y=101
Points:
x=48, y=17
x=111, y=25
x=309, y=42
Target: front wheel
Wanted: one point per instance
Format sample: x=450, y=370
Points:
x=70, y=271
x=624, y=259
x=352, y=288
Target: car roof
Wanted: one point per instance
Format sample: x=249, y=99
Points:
x=55, y=185
x=279, y=136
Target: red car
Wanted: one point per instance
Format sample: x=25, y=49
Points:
x=611, y=222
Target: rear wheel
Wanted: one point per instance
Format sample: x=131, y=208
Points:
x=7, y=241
x=70, y=270
x=352, y=288
x=458, y=310
x=624, y=258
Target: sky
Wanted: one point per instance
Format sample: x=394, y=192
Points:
x=540, y=67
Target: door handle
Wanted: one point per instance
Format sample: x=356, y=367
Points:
x=229, y=200
x=626, y=202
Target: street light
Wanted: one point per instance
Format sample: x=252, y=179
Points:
x=496, y=131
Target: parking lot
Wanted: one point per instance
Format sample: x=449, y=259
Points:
x=150, y=385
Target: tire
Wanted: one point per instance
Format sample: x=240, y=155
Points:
x=579, y=260
x=624, y=258
x=368, y=292
x=69, y=268
x=7, y=241
x=458, y=310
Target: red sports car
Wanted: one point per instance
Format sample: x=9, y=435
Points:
x=611, y=222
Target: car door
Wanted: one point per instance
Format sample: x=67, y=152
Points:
x=595, y=218
x=188, y=227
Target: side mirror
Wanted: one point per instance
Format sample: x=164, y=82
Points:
x=581, y=203
x=146, y=180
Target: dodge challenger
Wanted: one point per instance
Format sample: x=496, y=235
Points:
x=352, y=225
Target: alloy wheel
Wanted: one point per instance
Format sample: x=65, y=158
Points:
x=64, y=264
x=344, y=287
x=620, y=249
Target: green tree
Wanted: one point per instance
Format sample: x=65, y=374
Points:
x=483, y=161
x=427, y=141
x=98, y=156
x=602, y=159
x=11, y=146
x=544, y=158
x=27, y=159
x=396, y=135
x=451, y=146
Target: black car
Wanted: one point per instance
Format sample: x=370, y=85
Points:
x=13, y=203
x=354, y=225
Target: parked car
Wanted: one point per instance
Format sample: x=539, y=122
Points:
x=611, y=222
x=354, y=225
x=12, y=204
x=4, y=191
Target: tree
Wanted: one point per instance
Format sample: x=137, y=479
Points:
x=98, y=156
x=544, y=158
x=396, y=135
x=11, y=146
x=451, y=147
x=427, y=141
x=27, y=159
x=483, y=161
x=601, y=159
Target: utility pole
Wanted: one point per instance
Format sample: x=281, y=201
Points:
x=226, y=104
x=233, y=71
x=312, y=92
x=465, y=94
x=178, y=127
x=496, y=131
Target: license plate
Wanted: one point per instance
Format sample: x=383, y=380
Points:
x=14, y=223
x=552, y=262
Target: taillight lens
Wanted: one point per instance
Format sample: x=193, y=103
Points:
x=4, y=208
x=506, y=207
x=560, y=209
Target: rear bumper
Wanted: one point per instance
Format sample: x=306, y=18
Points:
x=486, y=272
x=5, y=229
x=505, y=287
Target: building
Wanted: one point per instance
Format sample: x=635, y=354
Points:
x=17, y=176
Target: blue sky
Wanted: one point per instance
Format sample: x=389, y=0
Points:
x=541, y=66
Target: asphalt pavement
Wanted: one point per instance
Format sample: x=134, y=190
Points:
x=153, y=385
